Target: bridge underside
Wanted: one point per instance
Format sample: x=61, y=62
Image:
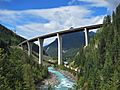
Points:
x=59, y=36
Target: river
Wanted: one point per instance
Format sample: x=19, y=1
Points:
x=64, y=82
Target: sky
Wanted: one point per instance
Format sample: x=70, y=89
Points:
x=31, y=18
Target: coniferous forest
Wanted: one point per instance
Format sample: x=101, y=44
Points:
x=18, y=71
x=99, y=62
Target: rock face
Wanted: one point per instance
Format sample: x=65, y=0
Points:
x=71, y=43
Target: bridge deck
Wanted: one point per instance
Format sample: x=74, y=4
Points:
x=64, y=32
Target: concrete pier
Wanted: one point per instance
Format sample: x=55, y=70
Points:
x=29, y=44
x=40, y=43
x=59, y=48
x=86, y=36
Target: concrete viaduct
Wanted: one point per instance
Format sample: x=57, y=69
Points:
x=59, y=34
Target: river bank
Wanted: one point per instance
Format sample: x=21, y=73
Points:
x=68, y=74
x=51, y=80
x=58, y=79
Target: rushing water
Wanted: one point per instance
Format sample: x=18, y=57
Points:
x=64, y=82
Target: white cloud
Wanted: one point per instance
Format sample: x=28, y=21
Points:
x=47, y=41
x=109, y=4
x=58, y=19
x=97, y=3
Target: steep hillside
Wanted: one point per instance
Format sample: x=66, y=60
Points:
x=71, y=44
x=99, y=62
x=18, y=71
x=9, y=37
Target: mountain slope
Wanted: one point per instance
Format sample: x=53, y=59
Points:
x=8, y=37
x=99, y=62
x=18, y=71
x=71, y=43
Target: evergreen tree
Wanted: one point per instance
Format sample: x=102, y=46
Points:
x=101, y=66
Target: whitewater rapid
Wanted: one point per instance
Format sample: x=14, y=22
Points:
x=64, y=82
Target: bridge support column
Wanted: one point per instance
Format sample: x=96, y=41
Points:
x=29, y=44
x=59, y=48
x=40, y=43
x=86, y=37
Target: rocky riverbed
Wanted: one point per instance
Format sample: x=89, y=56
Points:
x=58, y=79
x=68, y=75
x=51, y=80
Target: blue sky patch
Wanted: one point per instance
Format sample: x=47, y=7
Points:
x=99, y=11
x=32, y=4
x=31, y=18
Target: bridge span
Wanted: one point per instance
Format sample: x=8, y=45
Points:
x=59, y=34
